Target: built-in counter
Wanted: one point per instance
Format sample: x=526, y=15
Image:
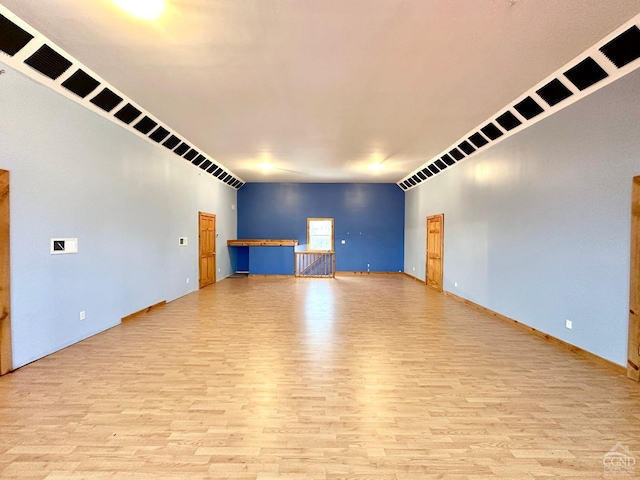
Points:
x=263, y=256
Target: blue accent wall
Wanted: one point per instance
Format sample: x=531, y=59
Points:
x=368, y=216
x=271, y=260
x=241, y=259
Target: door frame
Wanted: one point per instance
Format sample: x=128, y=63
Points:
x=215, y=263
x=426, y=267
x=6, y=360
x=633, y=350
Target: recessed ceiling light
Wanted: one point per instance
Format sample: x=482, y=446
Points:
x=145, y=9
x=376, y=167
x=265, y=166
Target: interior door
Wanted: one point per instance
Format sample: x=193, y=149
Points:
x=207, y=223
x=435, y=246
x=5, y=296
x=633, y=362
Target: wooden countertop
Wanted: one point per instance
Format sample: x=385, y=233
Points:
x=261, y=242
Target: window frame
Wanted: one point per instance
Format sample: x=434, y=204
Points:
x=311, y=219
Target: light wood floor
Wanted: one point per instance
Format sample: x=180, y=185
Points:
x=351, y=378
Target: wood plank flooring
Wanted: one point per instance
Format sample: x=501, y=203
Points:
x=346, y=378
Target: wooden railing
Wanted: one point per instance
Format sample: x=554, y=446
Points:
x=316, y=264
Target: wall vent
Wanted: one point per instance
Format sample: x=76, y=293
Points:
x=491, y=131
x=586, y=73
x=182, y=149
x=528, y=108
x=508, y=121
x=433, y=168
x=206, y=164
x=127, y=114
x=456, y=154
x=440, y=164
x=212, y=168
x=48, y=62
x=191, y=154
x=478, y=140
x=12, y=37
x=421, y=175
x=81, y=83
x=466, y=147
x=106, y=100
x=554, y=92
x=159, y=134
x=427, y=172
x=145, y=125
x=171, y=142
x=623, y=49
x=447, y=159
x=199, y=159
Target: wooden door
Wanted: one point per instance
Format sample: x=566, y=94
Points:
x=207, y=224
x=435, y=247
x=5, y=296
x=633, y=363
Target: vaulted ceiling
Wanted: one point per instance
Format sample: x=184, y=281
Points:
x=321, y=90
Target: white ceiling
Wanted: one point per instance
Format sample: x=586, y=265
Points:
x=322, y=89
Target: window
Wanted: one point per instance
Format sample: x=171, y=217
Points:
x=320, y=234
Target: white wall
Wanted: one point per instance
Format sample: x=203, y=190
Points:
x=537, y=227
x=75, y=174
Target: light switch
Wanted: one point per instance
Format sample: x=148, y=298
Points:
x=183, y=241
x=343, y=242
x=64, y=245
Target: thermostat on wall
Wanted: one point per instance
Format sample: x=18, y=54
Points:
x=64, y=245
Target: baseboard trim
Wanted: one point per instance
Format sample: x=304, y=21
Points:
x=583, y=353
x=144, y=310
x=252, y=275
x=346, y=273
x=414, y=278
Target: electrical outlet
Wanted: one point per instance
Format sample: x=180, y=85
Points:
x=218, y=270
x=83, y=315
x=414, y=269
x=187, y=279
x=455, y=284
x=568, y=323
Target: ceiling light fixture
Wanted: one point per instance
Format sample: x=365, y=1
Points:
x=265, y=166
x=145, y=9
x=376, y=167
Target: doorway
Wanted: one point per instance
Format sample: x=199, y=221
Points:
x=6, y=364
x=633, y=359
x=207, y=235
x=435, y=247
